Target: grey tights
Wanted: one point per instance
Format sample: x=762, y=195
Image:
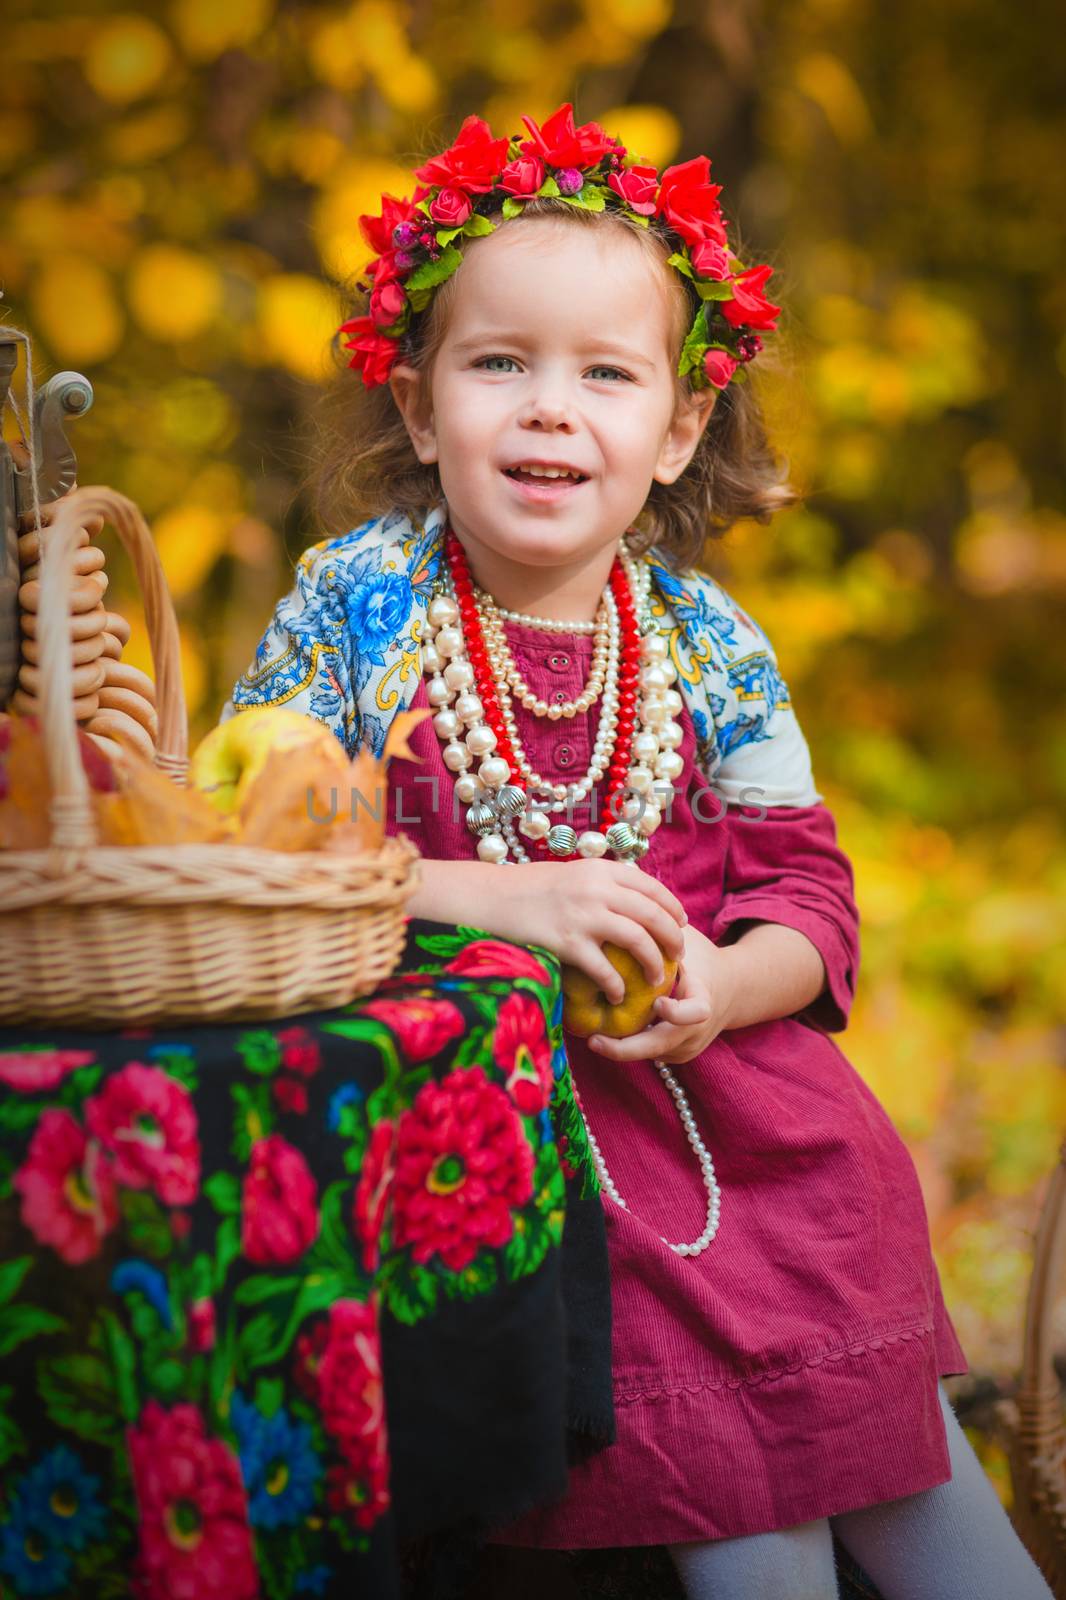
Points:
x=953, y=1542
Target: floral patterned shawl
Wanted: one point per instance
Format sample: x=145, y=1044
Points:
x=345, y=646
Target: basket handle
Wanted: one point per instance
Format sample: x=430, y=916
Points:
x=72, y=821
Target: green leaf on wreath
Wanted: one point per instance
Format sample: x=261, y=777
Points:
x=712, y=289
x=549, y=189
x=424, y=279
x=682, y=264
x=478, y=227
x=512, y=207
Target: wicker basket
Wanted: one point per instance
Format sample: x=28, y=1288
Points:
x=116, y=935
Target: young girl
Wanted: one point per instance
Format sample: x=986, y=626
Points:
x=551, y=421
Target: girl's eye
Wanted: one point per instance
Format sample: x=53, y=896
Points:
x=489, y=363
x=597, y=373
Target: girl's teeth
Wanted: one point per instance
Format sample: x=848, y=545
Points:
x=545, y=472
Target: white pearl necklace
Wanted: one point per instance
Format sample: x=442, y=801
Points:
x=495, y=802
x=547, y=624
x=703, y=1156
x=492, y=628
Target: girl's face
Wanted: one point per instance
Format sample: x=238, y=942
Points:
x=559, y=357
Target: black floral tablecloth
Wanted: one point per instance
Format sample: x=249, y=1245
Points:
x=278, y=1302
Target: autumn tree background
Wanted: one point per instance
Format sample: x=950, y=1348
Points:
x=182, y=186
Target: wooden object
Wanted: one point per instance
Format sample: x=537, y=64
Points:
x=1037, y=1443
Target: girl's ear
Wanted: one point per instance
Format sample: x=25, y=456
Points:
x=415, y=409
x=684, y=434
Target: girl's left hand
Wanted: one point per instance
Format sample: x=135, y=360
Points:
x=687, y=1021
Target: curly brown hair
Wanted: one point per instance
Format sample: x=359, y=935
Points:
x=362, y=463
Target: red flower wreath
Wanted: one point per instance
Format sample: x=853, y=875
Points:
x=480, y=177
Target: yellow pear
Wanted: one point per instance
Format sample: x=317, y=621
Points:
x=587, y=1010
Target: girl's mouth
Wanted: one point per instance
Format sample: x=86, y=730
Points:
x=541, y=481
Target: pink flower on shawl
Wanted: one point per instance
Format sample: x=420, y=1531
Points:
x=145, y=1120
x=195, y=1539
x=67, y=1188
x=463, y=1163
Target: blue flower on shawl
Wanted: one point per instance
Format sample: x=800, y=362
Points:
x=34, y=1565
x=278, y=1464
x=377, y=611
x=61, y=1500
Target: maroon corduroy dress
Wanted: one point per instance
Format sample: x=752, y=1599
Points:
x=790, y=1371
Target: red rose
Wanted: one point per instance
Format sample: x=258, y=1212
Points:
x=372, y=1191
x=192, y=1521
x=472, y=163
x=710, y=260
x=638, y=187
x=451, y=208
x=749, y=307
x=422, y=1026
x=279, y=1204
x=689, y=201
x=67, y=1188
x=521, y=1050
x=373, y=353
x=491, y=958
x=145, y=1119
x=463, y=1164
x=719, y=367
x=560, y=144
x=386, y=304
x=378, y=231
x=523, y=176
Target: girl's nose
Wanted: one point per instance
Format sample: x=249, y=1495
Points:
x=549, y=408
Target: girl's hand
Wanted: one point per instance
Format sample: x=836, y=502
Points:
x=574, y=908
x=688, y=1020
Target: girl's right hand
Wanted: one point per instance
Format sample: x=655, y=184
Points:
x=574, y=908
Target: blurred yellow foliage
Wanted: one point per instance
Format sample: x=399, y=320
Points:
x=650, y=132
x=298, y=316
x=174, y=293
x=76, y=308
x=190, y=540
x=205, y=27
x=127, y=57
